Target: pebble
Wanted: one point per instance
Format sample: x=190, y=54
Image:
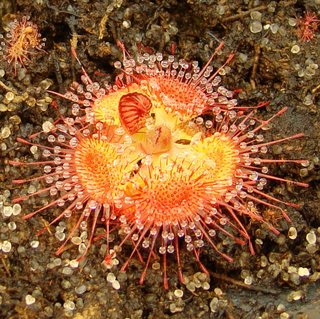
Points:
x=274, y=27
x=111, y=277
x=16, y=209
x=303, y=272
x=214, y=303
x=295, y=295
x=47, y=126
x=76, y=240
x=205, y=286
x=126, y=24
x=220, y=9
x=69, y=305
x=295, y=49
x=281, y=307
x=292, y=22
x=191, y=286
x=178, y=293
x=256, y=15
x=292, y=270
x=81, y=289
x=30, y=300
x=292, y=233
x=33, y=149
x=218, y=291
x=5, y=132
x=60, y=236
x=79, y=303
x=116, y=285
x=255, y=26
x=311, y=248
x=7, y=211
x=308, y=100
x=48, y=311
x=12, y=226
x=57, y=262
x=34, y=244
x=3, y=107
x=67, y=271
x=6, y=246
x=9, y=96
x=74, y=263
x=315, y=276
x=32, y=189
x=248, y=280
x=311, y=238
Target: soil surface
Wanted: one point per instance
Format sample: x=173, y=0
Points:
x=272, y=62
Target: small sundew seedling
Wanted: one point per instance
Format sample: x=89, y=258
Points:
x=307, y=26
x=21, y=42
x=166, y=156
